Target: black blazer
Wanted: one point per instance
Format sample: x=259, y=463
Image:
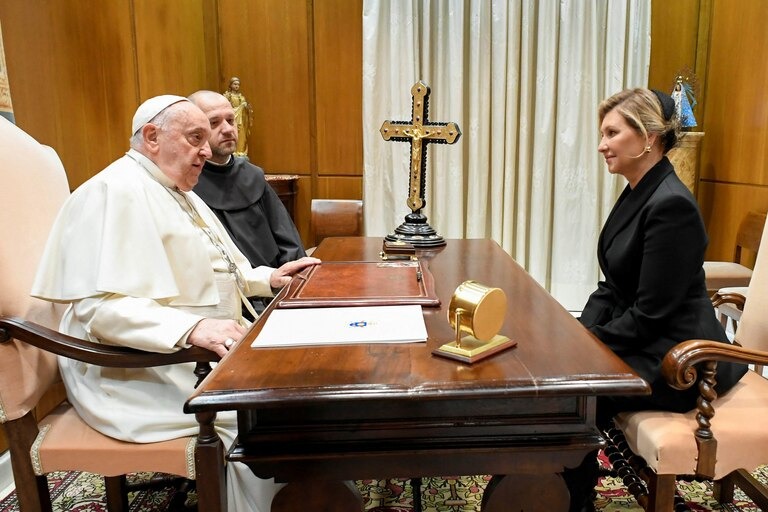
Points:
x=651, y=252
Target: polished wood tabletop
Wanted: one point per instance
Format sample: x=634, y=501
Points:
x=311, y=415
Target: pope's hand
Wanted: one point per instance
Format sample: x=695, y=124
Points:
x=216, y=335
x=282, y=276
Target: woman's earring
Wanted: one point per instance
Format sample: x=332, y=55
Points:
x=648, y=149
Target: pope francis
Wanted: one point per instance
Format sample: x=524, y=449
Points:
x=142, y=262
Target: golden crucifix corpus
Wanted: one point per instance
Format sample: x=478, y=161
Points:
x=419, y=133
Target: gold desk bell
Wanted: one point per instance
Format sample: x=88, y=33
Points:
x=478, y=311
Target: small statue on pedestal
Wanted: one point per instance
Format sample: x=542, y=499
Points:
x=684, y=94
x=243, y=113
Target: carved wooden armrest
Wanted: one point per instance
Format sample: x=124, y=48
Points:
x=681, y=366
x=678, y=365
x=737, y=299
x=97, y=353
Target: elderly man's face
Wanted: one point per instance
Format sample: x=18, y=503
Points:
x=183, y=146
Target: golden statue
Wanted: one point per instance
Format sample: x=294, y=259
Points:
x=242, y=115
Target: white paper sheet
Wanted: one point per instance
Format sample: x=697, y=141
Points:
x=334, y=326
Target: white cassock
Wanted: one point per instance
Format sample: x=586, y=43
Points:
x=140, y=263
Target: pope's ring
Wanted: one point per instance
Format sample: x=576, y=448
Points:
x=229, y=342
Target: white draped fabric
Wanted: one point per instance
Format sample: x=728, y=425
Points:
x=522, y=79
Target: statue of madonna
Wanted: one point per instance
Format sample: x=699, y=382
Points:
x=243, y=113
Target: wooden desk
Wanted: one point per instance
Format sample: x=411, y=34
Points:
x=319, y=416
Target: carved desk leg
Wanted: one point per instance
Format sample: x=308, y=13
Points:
x=209, y=464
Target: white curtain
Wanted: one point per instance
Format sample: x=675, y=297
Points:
x=522, y=79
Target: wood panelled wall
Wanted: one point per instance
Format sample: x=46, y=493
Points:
x=734, y=171
x=79, y=68
x=726, y=44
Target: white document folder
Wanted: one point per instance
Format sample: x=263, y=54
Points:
x=344, y=325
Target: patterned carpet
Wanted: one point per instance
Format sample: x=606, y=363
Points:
x=84, y=493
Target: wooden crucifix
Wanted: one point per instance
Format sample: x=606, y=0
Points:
x=419, y=132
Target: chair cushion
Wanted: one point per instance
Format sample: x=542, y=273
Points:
x=666, y=440
x=721, y=274
x=67, y=443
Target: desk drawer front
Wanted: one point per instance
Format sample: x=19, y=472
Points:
x=418, y=423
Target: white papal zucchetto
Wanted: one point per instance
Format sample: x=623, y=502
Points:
x=150, y=108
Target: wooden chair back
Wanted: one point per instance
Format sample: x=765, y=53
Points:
x=749, y=235
x=335, y=217
x=737, y=273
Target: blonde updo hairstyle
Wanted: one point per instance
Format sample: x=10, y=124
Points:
x=646, y=111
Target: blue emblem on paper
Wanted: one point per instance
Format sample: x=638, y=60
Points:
x=359, y=323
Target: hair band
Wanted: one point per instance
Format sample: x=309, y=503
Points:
x=667, y=104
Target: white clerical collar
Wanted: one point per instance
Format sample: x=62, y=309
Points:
x=225, y=164
x=151, y=168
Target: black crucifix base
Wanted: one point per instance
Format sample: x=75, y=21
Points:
x=417, y=232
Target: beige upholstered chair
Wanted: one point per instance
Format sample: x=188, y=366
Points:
x=724, y=274
x=726, y=437
x=34, y=186
x=335, y=217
